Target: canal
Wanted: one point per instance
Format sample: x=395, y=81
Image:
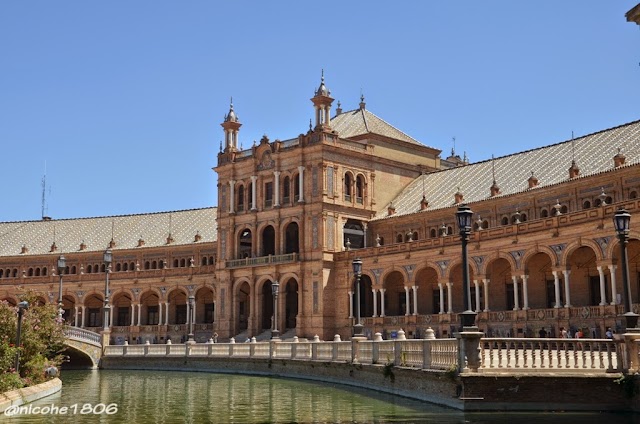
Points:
x=175, y=397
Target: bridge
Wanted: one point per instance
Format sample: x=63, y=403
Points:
x=84, y=347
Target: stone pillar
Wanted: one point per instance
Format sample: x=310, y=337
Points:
x=441, y=288
x=485, y=283
x=516, y=297
x=449, y=297
x=375, y=303
x=254, y=190
x=407, y=302
x=232, y=196
x=75, y=316
x=556, y=286
x=567, y=293
x=614, y=289
x=382, y=302
x=160, y=322
x=139, y=313
x=276, y=189
x=415, y=300
x=188, y=312
x=350, y=304
x=111, y=316
x=525, y=291
x=166, y=318
x=301, y=181
x=133, y=314
x=82, y=319
x=603, y=290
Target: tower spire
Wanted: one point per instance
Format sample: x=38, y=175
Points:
x=322, y=104
x=231, y=126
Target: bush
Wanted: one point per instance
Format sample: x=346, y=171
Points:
x=41, y=341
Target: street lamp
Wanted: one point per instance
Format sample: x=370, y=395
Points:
x=21, y=307
x=621, y=220
x=107, y=258
x=275, y=287
x=357, y=273
x=464, y=217
x=192, y=301
x=62, y=263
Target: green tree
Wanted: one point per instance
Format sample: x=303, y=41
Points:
x=41, y=343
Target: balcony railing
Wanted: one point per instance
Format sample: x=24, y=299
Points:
x=262, y=260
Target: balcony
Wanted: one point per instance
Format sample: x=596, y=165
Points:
x=262, y=260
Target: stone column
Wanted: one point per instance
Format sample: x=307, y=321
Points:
x=301, y=181
x=160, y=322
x=441, y=288
x=195, y=305
x=406, y=301
x=614, y=290
x=603, y=290
x=139, y=313
x=415, y=300
x=525, y=291
x=166, y=318
x=382, y=302
x=133, y=314
x=254, y=190
x=556, y=286
x=188, y=312
x=232, y=196
x=516, y=297
x=75, y=316
x=82, y=319
x=375, y=302
x=276, y=189
x=485, y=283
x=449, y=297
x=350, y=304
x=111, y=316
x=567, y=294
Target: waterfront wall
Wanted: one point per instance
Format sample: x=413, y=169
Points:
x=29, y=394
x=438, y=387
x=466, y=391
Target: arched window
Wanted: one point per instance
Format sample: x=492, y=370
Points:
x=37, y=272
x=125, y=266
x=415, y=236
x=245, y=244
x=89, y=269
x=175, y=263
x=564, y=209
x=269, y=241
x=348, y=182
x=586, y=204
x=204, y=261
x=154, y=265
x=360, y=189
x=250, y=195
x=211, y=260
x=103, y=268
x=118, y=267
x=399, y=238
x=449, y=230
x=1, y=273
x=633, y=195
x=485, y=224
x=286, y=190
x=544, y=213
x=432, y=233
x=132, y=266
x=476, y=227
x=240, y=199
x=609, y=200
x=147, y=265
x=30, y=272
x=523, y=217
x=296, y=188
x=505, y=220
x=381, y=241
x=292, y=238
x=597, y=203
x=44, y=271
x=15, y=272
x=183, y=262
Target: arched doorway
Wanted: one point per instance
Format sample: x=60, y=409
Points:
x=243, y=305
x=366, y=297
x=540, y=286
x=291, y=237
x=267, y=306
x=177, y=307
x=268, y=241
x=68, y=306
x=428, y=291
x=121, y=306
x=205, y=309
x=291, y=304
x=245, y=244
x=354, y=231
x=584, y=280
x=150, y=308
x=501, y=285
x=394, y=296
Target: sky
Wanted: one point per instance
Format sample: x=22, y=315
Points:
x=119, y=103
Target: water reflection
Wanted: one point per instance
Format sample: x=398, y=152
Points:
x=175, y=397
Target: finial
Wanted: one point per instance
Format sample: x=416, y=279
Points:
x=493, y=168
x=220, y=145
x=322, y=75
x=231, y=103
x=310, y=125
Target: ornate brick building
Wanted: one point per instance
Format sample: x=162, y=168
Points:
x=543, y=252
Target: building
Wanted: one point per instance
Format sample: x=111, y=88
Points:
x=543, y=252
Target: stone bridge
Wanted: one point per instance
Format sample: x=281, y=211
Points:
x=84, y=348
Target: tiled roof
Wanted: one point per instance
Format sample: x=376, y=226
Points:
x=593, y=154
x=360, y=121
x=153, y=228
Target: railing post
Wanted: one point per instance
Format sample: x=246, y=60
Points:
x=426, y=354
x=631, y=339
x=334, y=351
x=375, y=348
x=272, y=350
x=232, y=342
x=469, y=349
x=146, y=348
x=125, y=347
x=168, y=347
x=314, y=348
x=294, y=347
x=397, y=353
x=252, y=347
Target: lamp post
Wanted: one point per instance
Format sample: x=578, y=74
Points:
x=275, y=334
x=192, y=301
x=107, y=258
x=21, y=307
x=357, y=273
x=621, y=220
x=62, y=263
x=464, y=217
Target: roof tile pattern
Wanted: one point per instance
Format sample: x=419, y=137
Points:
x=360, y=121
x=68, y=234
x=593, y=154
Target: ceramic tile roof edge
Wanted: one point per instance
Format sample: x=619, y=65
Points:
x=110, y=216
x=502, y=196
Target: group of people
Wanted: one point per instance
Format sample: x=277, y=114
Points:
x=578, y=334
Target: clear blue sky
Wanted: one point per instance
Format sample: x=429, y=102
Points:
x=123, y=99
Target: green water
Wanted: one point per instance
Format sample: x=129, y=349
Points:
x=174, y=397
